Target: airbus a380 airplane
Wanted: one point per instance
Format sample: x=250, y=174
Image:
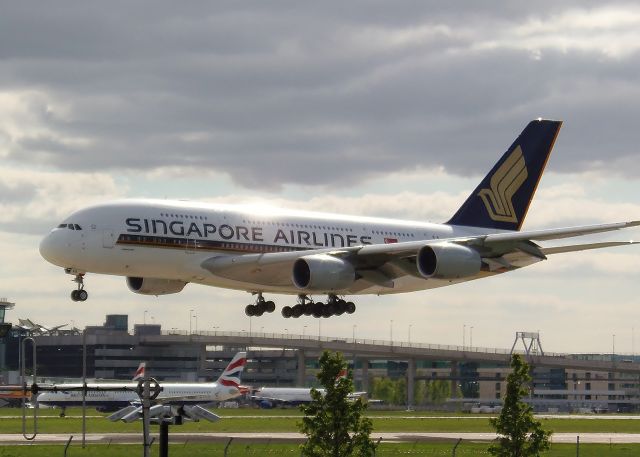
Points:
x=161, y=245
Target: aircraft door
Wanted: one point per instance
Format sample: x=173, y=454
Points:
x=108, y=238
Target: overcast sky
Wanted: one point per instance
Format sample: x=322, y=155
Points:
x=392, y=109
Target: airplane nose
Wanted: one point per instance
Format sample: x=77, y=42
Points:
x=52, y=249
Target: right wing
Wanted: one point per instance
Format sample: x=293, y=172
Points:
x=381, y=264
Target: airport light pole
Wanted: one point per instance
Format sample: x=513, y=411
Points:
x=464, y=336
x=304, y=329
x=190, y=316
x=144, y=317
x=471, y=336
x=391, y=331
x=354, y=332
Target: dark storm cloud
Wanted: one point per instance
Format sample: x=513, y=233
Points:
x=275, y=93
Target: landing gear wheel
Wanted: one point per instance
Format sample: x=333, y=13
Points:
x=269, y=306
x=260, y=307
x=297, y=311
x=351, y=307
x=251, y=310
x=318, y=309
x=287, y=312
x=79, y=294
x=308, y=308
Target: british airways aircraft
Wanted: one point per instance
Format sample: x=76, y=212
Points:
x=162, y=245
x=175, y=398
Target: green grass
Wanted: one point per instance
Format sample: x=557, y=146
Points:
x=465, y=449
x=282, y=421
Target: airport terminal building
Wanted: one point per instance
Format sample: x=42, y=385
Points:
x=474, y=376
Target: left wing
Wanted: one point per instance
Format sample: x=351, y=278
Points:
x=380, y=264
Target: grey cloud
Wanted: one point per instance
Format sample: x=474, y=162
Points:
x=16, y=194
x=287, y=94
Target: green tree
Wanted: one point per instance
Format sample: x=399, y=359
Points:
x=519, y=434
x=383, y=389
x=439, y=391
x=335, y=426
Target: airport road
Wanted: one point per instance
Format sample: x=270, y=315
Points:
x=135, y=438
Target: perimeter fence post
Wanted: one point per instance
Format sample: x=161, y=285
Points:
x=453, y=451
x=578, y=446
x=33, y=389
x=226, y=448
x=67, y=445
x=375, y=451
x=164, y=438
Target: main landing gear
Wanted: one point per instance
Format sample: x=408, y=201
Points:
x=79, y=294
x=260, y=307
x=334, y=307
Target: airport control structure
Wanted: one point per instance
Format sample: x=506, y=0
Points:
x=476, y=377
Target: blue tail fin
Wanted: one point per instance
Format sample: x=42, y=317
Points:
x=502, y=199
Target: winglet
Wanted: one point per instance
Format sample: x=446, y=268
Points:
x=502, y=199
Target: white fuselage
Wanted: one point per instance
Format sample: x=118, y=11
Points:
x=178, y=393
x=170, y=239
x=292, y=395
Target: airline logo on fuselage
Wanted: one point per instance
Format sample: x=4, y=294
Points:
x=505, y=182
x=242, y=233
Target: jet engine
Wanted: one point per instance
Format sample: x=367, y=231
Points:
x=448, y=261
x=322, y=273
x=154, y=286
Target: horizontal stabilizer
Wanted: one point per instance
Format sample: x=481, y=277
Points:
x=195, y=413
x=129, y=412
x=585, y=247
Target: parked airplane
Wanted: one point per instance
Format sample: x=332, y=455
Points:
x=177, y=395
x=161, y=245
x=268, y=397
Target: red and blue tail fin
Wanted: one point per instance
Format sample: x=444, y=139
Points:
x=141, y=372
x=502, y=199
x=231, y=375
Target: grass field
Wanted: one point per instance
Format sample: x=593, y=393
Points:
x=465, y=449
x=245, y=420
x=255, y=420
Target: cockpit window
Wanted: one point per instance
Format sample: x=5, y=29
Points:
x=70, y=226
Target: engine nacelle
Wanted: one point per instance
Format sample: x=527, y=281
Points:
x=448, y=261
x=322, y=273
x=154, y=286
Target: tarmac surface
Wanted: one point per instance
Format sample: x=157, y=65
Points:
x=135, y=438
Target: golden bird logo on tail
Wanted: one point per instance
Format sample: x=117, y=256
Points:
x=505, y=182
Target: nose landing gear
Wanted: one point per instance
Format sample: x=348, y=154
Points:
x=79, y=294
